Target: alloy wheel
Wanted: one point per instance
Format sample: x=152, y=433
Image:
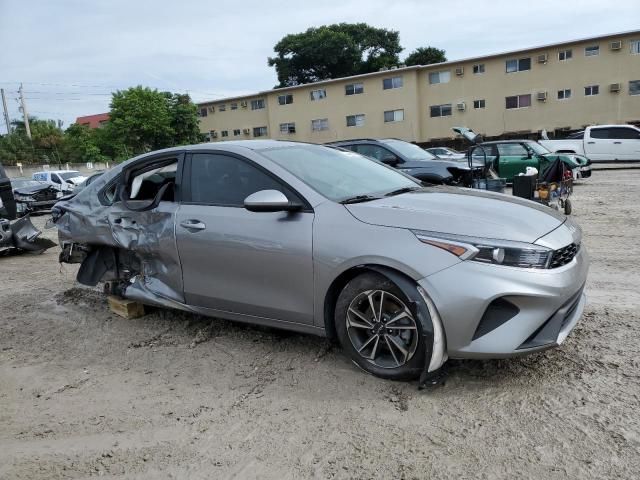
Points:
x=382, y=329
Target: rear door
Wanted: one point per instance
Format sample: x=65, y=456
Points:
x=249, y=263
x=598, y=145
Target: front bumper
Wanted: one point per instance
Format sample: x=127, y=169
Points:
x=583, y=172
x=491, y=311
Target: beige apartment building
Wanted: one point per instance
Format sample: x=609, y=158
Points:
x=557, y=87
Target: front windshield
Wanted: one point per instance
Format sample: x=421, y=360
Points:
x=409, y=151
x=68, y=175
x=537, y=148
x=336, y=174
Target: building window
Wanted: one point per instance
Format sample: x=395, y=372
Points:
x=355, y=120
x=222, y=108
x=389, y=83
x=257, y=104
x=479, y=103
x=236, y=132
x=234, y=106
x=203, y=112
x=479, y=68
x=287, y=128
x=591, y=90
x=592, y=51
x=634, y=46
x=318, y=94
x=354, y=89
x=518, y=65
x=518, y=101
x=319, y=124
x=439, y=77
x=440, y=110
x=259, y=131
x=564, y=55
x=564, y=94
x=224, y=133
x=634, y=87
x=394, y=116
x=285, y=99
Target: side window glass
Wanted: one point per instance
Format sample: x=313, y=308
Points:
x=511, y=149
x=599, y=133
x=374, y=151
x=622, y=133
x=55, y=178
x=224, y=180
x=146, y=184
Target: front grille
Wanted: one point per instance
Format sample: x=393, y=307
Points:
x=564, y=255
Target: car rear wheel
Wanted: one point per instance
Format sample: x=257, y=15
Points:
x=378, y=330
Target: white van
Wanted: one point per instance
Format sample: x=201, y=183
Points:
x=65, y=180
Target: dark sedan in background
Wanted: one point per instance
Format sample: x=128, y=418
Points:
x=411, y=159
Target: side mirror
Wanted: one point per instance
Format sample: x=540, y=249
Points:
x=529, y=154
x=390, y=160
x=270, y=201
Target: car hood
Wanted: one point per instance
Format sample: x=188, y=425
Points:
x=462, y=212
x=34, y=189
x=577, y=160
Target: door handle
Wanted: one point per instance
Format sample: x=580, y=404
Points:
x=591, y=143
x=193, y=225
x=617, y=143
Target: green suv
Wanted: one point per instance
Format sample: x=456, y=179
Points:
x=512, y=157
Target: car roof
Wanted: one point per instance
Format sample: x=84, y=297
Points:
x=362, y=140
x=494, y=142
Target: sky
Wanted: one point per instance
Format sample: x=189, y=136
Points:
x=71, y=54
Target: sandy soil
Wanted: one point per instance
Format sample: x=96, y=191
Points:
x=85, y=393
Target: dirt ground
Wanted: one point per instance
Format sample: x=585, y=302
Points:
x=171, y=395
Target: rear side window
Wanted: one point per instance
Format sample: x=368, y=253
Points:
x=218, y=179
x=510, y=149
x=373, y=151
x=55, y=178
x=599, y=133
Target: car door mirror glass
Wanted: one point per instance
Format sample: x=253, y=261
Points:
x=389, y=159
x=269, y=201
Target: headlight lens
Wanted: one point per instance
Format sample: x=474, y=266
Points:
x=487, y=250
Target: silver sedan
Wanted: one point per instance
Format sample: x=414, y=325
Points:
x=319, y=240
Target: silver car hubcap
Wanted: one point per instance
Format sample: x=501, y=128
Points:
x=382, y=329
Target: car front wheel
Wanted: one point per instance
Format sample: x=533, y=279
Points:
x=378, y=330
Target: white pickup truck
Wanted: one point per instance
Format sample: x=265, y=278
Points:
x=600, y=143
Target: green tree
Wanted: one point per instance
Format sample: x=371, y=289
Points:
x=81, y=144
x=43, y=147
x=334, y=51
x=425, y=56
x=184, y=119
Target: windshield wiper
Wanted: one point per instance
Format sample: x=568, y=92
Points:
x=400, y=191
x=358, y=199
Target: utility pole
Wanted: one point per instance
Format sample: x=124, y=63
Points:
x=6, y=112
x=24, y=113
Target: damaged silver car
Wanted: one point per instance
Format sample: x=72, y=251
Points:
x=320, y=240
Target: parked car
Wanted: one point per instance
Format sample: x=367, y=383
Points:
x=33, y=196
x=320, y=240
x=600, y=143
x=64, y=180
x=509, y=158
x=446, y=153
x=410, y=159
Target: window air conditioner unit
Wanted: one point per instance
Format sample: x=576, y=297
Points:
x=246, y=131
x=461, y=106
x=616, y=45
x=214, y=134
x=243, y=104
x=614, y=87
x=542, y=96
x=459, y=71
x=544, y=58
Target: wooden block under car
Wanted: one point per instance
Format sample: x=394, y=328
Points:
x=125, y=308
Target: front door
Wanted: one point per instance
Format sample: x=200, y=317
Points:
x=513, y=159
x=234, y=260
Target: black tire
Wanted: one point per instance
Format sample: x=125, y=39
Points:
x=567, y=207
x=348, y=335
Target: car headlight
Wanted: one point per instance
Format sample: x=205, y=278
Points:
x=489, y=250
